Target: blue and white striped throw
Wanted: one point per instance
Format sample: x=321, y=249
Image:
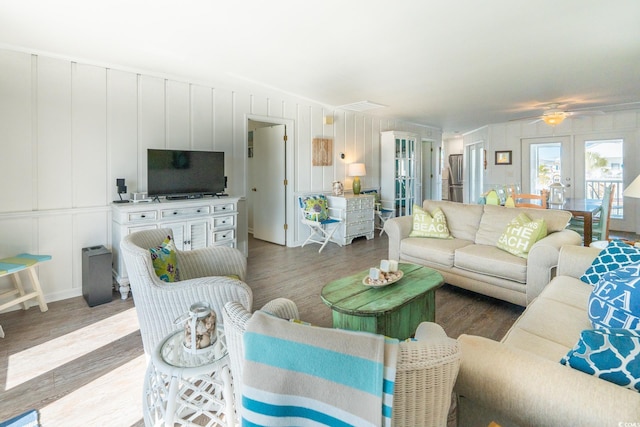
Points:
x=300, y=375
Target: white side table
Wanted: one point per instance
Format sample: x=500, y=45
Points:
x=188, y=389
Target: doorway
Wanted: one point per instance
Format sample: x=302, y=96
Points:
x=428, y=173
x=474, y=165
x=267, y=179
x=584, y=164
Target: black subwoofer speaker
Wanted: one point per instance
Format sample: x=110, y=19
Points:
x=96, y=275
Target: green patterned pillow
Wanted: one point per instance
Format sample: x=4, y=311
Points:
x=165, y=261
x=316, y=205
x=521, y=234
x=429, y=225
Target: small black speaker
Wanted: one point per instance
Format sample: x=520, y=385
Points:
x=121, y=187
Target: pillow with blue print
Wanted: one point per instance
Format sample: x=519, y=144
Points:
x=617, y=254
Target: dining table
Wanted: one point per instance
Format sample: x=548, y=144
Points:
x=585, y=209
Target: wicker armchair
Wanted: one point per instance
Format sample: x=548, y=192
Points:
x=203, y=278
x=425, y=374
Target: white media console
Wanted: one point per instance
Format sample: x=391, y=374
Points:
x=196, y=223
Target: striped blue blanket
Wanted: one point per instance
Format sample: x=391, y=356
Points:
x=300, y=375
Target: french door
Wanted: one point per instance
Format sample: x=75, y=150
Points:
x=584, y=164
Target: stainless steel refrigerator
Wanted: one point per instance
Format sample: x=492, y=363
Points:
x=455, y=178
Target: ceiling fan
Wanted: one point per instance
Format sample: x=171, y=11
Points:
x=553, y=115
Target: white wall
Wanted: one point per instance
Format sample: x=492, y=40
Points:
x=508, y=136
x=69, y=129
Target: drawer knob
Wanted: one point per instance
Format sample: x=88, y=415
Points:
x=143, y=216
x=175, y=213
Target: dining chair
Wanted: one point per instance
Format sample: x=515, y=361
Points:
x=383, y=210
x=315, y=211
x=536, y=201
x=600, y=228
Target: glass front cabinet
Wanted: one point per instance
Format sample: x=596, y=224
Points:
x=398, y=170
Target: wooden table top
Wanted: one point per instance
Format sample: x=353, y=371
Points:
x=349, y=295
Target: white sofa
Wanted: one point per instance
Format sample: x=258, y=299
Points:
x=519, y=381
x=471, y=259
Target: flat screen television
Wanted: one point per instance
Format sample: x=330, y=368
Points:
x=184, y=173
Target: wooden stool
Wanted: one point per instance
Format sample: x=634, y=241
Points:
x=11, y=267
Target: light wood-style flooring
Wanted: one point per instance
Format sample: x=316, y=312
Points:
x=84, y=366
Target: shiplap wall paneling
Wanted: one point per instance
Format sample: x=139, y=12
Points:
x=122, y=132
x=237, y=152
x=353, y=155
x=89, y=135
x=54, y=238
x=178, y=113
x=151, y=121
x=54, y=174
x=16, y=131
x=17, y=237
x=323, y=173
x=340, y=146
x=223, y=129
x=307, y=179
x=201, y=118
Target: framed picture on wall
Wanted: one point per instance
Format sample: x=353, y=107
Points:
x=503, y=157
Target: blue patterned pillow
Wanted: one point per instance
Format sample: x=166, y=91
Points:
x=615, y=255
x=615, y=299
x=609, y=354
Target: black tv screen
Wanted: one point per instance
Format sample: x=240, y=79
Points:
x=184, y=172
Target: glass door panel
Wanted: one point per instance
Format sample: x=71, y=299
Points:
x=546, y=159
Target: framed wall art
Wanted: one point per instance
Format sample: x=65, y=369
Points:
x=503, y=157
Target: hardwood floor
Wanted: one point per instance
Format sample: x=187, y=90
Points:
x=84, y=366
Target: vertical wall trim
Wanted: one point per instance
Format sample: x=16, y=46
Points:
x=74, y=188
x=213, y=119
x=34, y=130
x=107, y=141
x=138, y=128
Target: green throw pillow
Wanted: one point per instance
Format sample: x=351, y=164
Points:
x=521, y=234
x=429, y=225
x=165, y=261
x=316, y=208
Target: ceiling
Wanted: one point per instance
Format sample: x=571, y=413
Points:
x=453, y=64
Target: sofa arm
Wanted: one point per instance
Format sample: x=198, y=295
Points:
x=543, y=258
x=397, y=229
x=529, y=390
x=574, y=260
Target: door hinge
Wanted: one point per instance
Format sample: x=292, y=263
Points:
x=286, y=182
x=286, y=227
x=285, y=138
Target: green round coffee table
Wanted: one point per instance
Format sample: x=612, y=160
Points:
x=394, y=310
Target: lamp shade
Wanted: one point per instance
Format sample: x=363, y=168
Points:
x=357, y=169
x=553, y=119
x=633, y=190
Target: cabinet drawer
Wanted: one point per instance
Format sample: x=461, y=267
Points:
x=227, y=207
x=181, y=212
x=229, y=243
x=359, y=228
x=222, y=236
x=224, y=221
x=142, y=216
x=360, y=216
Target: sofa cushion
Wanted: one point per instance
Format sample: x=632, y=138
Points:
x=615, y=299
x=491, y=261
x=427, y=224
x=615, y=255
x=462, y=219
x=609, y=354
x=551, y=324
x=520, y=234
x=437, y=251
x=495, y=219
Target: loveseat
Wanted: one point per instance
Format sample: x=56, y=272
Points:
x=520, y=381
x=472, y=260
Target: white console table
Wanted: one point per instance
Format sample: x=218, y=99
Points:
x=357, y=216
x=196, y=223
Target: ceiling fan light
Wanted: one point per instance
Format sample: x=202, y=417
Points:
x=553, y=119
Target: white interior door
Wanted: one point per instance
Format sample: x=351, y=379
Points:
x=268, y=189
x=473, y=172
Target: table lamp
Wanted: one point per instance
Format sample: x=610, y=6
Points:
x=357, y=170
x=633, y=190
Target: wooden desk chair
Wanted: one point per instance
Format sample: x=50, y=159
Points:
x=537, y=201
x=600, y=229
